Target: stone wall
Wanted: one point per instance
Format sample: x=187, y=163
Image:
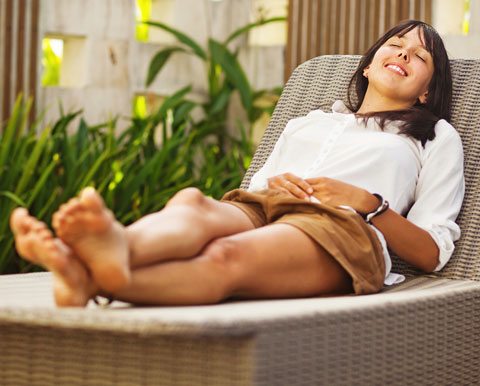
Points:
x=105, y=66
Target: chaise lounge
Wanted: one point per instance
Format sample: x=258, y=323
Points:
x=424, y=331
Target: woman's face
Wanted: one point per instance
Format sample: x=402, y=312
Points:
x=401, y=69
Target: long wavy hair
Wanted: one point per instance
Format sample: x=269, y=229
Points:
x=419, y=120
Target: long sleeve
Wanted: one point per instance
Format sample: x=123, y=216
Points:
x=440, y=190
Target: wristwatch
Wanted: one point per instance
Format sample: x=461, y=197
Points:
x=380, y=209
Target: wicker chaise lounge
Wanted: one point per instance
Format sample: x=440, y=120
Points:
x=425, y=331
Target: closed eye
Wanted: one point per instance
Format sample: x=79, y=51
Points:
x=419, y=57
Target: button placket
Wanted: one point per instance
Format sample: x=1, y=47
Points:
x=325, y=150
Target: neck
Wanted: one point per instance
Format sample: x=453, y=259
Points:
x=374, y=102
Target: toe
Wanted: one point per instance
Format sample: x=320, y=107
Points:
x=72, y=206
x=56, y=220
x=91, y=199
x=18, y=222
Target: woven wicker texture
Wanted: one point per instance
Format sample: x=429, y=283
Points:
x=317, y=83
x=76, y=357
x=421, y=332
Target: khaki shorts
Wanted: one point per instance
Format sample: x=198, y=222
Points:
x=341, y=232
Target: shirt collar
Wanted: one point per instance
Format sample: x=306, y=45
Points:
x=339, y=107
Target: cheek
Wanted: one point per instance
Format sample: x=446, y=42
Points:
x=424, y=77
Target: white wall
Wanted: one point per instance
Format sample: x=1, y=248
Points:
x=447, y=18
x=113, y=65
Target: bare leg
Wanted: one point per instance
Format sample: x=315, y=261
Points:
x=73, y=285
x=189, y=221
x=182, y=230
x=270, y=262
x=276, y=261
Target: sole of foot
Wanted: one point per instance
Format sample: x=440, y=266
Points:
x=36, y=243
x=91, y=231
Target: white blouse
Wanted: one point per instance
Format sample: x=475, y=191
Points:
x=424, y=184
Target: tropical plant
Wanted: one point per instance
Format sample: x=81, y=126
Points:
x=136, y=172
x=225, y=77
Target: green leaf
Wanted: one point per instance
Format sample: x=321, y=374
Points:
x=182, y=113
x=181, y=37
x=158, y=61
x=31, y=163
x=221, y=100
x=40, y=183
x=14, y=198
x=233, y=71
x=14, y=123
x=172, y=101
x=250, y=26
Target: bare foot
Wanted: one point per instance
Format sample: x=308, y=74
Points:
x=100, y=242
x=35, y=243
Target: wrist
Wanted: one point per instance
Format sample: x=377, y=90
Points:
x=370, y=203
x=382, y=207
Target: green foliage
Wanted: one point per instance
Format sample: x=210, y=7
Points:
x=136, y=172
x=225, y=78
x=51, y=63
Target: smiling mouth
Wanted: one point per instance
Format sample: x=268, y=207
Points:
x=397, y=69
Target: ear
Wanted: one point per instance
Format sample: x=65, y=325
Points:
x=423, y=98
x=365, y=71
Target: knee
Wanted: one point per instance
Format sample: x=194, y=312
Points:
x=188, y=196
x=223, y=256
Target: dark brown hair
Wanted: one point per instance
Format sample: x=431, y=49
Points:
x=420, y=119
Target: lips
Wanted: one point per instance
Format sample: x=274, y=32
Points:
x=397, y=68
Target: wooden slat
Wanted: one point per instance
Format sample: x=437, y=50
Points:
x=346, y=39
x=417, y=12
x=314, y=33
x=357, y=26
x=21, y=15
x=2, y=27
x=318, y=27
x=376, y=21
x=291, y=29
x=387, y=15
x=300, y=21
x=335, y=37
x=428, y=11
x=310, y=20
x=404, y=10
x=34, y=43
x=7, y=67
x=328, y=23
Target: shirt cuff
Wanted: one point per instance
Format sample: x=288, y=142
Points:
x=445, y=246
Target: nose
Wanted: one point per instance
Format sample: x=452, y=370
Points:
x=404, y=55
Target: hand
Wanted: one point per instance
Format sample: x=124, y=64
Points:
x=334, y=192
x=291, y=184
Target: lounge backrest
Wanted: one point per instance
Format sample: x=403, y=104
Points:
x=317, y=83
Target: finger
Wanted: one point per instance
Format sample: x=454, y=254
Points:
x=286, y=191
x=295, y=190
x=302, y=184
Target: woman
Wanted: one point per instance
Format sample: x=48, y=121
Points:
x=316, y=218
